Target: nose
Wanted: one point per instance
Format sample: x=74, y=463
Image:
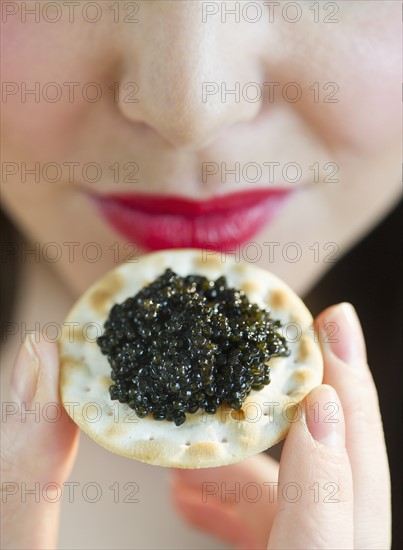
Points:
x=188, y=75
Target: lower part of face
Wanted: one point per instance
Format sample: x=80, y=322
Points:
x=264, y=130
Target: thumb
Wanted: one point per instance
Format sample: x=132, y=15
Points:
x=216, y=500
x=315, y=492
x=39, y=443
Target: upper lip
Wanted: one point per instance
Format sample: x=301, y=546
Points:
x=177, y=205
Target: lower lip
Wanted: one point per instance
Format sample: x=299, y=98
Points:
x=218, y=230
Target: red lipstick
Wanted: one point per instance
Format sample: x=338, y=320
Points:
x=157, y=222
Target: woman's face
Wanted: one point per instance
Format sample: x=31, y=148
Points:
x=264, y=128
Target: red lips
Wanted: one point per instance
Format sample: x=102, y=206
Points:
x=156, y=222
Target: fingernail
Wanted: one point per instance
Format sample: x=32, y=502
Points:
x=26, y=370
x=342, y=333
x=324, y=417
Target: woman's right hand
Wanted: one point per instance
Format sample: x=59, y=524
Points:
x=39, y=444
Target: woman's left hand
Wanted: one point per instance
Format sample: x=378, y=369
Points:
x=333, y=478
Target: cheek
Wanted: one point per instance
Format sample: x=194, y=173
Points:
x=38, y=131
x=363, y=62
x=365, y=117
x=50, y=80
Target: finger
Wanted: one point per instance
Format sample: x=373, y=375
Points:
x=347, y=371
x=315, y=494
x=235, y=503
x=39, y=443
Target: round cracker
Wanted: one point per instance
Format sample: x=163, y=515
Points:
x=203, y=440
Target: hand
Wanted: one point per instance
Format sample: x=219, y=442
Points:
x=339, y=469
x=38, y=450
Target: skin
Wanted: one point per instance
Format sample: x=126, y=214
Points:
x=350, y=451
x=170, y=132
x=360, y=518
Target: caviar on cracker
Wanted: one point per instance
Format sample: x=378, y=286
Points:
x=187, y=343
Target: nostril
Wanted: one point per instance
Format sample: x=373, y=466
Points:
x=190, y=131
x=190, y=115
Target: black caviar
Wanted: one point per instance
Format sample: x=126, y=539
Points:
x=184, y=343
